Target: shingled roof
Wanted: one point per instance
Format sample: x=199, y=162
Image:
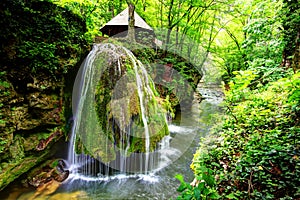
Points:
x=119, y=24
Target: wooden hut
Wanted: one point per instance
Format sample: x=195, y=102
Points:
x=118, y=27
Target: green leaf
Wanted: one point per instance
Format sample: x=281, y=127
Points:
x=231, y=196
x=201, y=186
x=214, y=195
x=179, y=177
x=187, y=197
x=197, y=193
x=205, y=191
x=209, y=179
x=182, y=187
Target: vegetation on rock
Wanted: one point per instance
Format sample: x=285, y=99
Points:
x=120, y=96
x=41, y=42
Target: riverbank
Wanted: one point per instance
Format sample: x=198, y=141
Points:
x=254, y=151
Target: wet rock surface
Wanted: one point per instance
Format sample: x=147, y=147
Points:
x=49, y=173
x=213, y=92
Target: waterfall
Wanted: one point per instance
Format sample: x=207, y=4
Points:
x=141, y=96
x=80, y=93
x=101, y=142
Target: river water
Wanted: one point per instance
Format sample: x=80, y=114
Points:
x=159, y=184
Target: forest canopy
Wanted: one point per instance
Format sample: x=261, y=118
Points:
x=233, y=35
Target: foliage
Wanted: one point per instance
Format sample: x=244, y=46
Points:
x=167, y=106
x=252, y=38
x=239, y=35
x=239, y=86
x=4, y=86
x=204, y=188
x=40, y=42
x=93, y=12
x=256, y=153
x=4, y=92
x=187, y=71
x=41, y=36
x=290, y=22
x=264, y=44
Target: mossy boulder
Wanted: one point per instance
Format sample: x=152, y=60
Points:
x=119, y=110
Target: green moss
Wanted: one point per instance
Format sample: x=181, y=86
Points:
x=54, y=163
x=106, y=154
x=118, y=110
x=31, y=142
x=43, y=135
x=17, y=148
x=134, y=105
x=15, y=169
x=79, y=148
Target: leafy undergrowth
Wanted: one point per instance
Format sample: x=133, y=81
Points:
x=255, y=154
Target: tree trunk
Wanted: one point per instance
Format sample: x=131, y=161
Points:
x=161, y=15
x=131, y=21
x=291, y=34
x=112, y=8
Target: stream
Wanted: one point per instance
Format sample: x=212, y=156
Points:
x=159, y=184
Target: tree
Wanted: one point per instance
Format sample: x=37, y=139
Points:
x=131, y=21
x=174, y=10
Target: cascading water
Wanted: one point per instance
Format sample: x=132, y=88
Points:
x=141, y=97
x=125, y=125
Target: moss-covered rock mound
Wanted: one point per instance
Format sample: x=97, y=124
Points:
x=116, y=106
